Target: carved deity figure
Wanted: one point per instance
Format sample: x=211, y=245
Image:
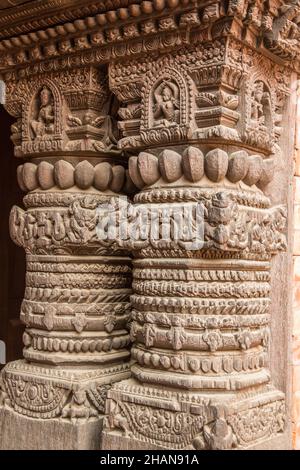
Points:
x=167, y=105
x=260, y=106
x=44, y=123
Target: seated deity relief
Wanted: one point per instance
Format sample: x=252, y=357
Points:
x=263, y=114
x=261, y=106
x=43, y=124
x=166, y=110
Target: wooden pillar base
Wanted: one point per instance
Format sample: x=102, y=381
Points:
x=142, y=417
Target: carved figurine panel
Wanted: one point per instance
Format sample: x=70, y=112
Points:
x=62, y=113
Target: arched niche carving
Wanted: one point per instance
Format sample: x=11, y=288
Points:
x=260, y=112
x=42, y=119
x=167, y=106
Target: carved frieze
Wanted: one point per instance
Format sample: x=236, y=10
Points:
x=193, y=422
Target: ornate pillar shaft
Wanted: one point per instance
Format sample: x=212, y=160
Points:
x=205, y=123
x=76, y=304
x=201, y=326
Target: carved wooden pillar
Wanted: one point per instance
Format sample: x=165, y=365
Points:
x=204, y=125
x=206, y=90
x=76, y=303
